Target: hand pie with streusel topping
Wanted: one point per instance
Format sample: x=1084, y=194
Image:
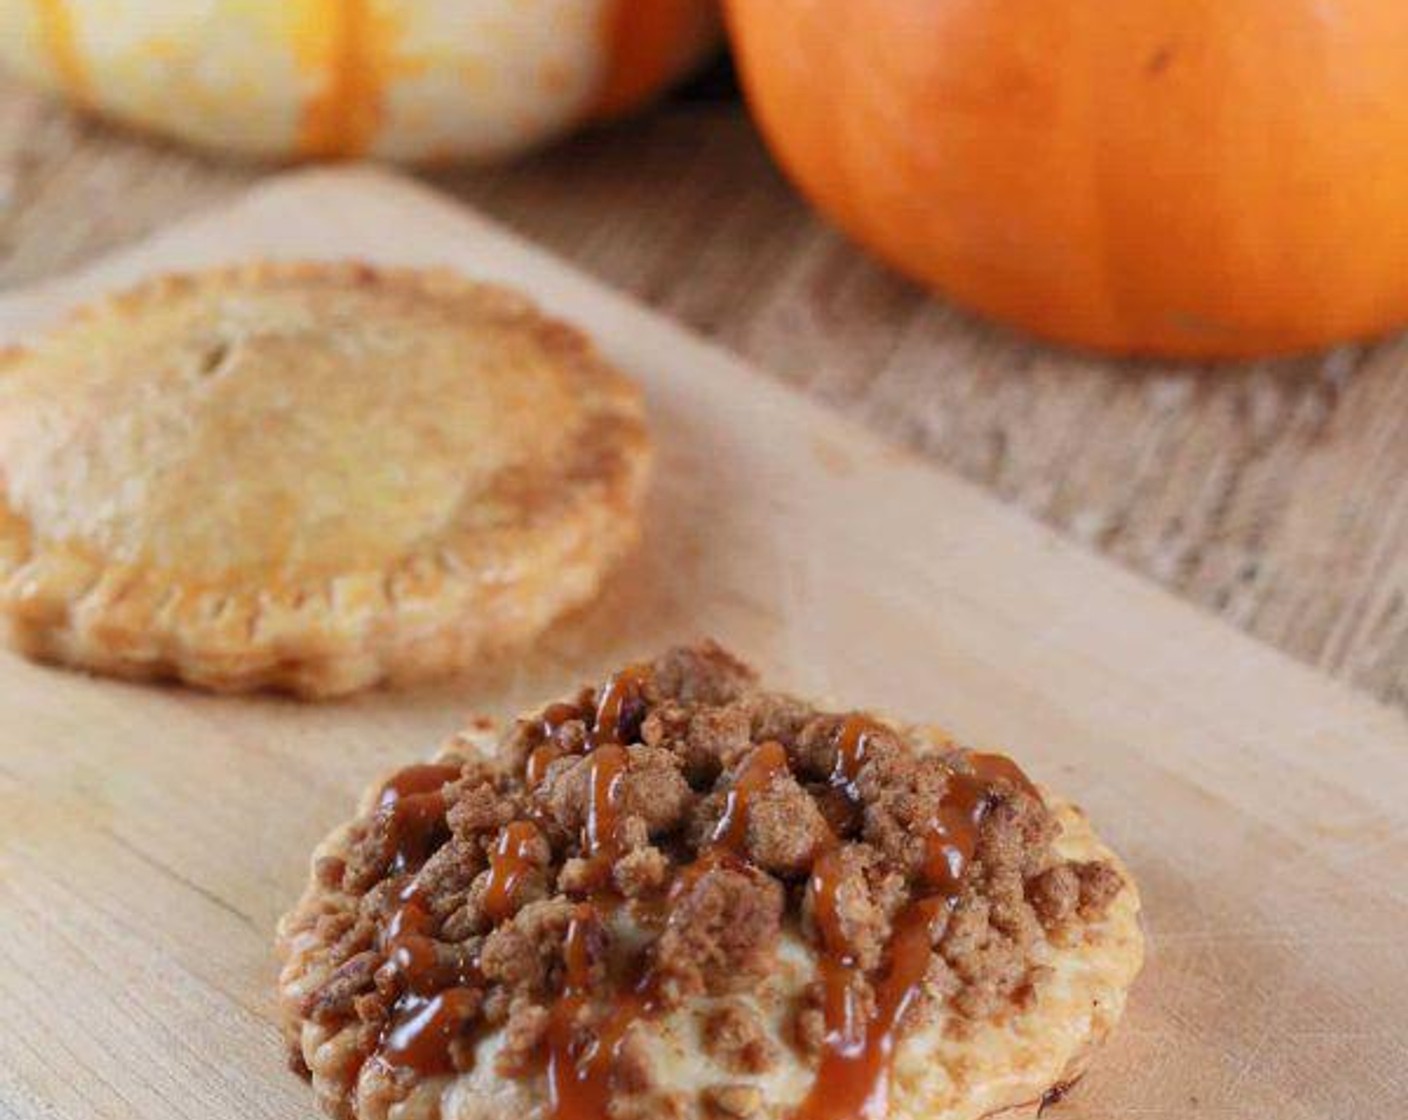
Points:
x=681, y=896
x=308, y=477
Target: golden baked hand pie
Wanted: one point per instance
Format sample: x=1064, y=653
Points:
x=310, y=477
x=681, y=896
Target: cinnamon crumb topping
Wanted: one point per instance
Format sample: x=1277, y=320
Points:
x=736, y=1038
x=645, y=844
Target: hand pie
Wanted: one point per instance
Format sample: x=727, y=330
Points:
x=308, y=477
x=679, y=895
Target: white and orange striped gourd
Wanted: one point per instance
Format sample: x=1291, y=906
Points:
x=396, y=79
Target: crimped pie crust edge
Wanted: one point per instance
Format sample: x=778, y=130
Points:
x=437, y=610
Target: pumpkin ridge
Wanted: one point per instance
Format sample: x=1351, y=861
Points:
x=404, y=80
x=60, y=44
x=1189, y=180
x=342, y=118
x=644, y=44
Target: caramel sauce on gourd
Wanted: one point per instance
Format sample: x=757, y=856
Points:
x=342, y=117
x=56, y=33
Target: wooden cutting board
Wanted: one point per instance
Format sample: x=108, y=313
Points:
x=149, y=837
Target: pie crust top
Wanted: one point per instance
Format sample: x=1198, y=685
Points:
x=308, y=476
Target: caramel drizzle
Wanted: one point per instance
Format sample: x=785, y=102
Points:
x=555, y=715
x=547, y=752
x=436, y=1000
x=615, y=722
x=620, y=707
x=61, y=45
x=580, y=1075
x=581, y=1066
x=998, y=767
x=852, y=739
x=415, y=799
x=510, y=864
x=422, y=1036
x=763, y=763
x=535, y=768
x=853, y=1077
x=728, y=843
x=422, y=778
x=427, y=1017
x=852, y=1081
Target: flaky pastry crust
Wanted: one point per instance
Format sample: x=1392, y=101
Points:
x=308, y=477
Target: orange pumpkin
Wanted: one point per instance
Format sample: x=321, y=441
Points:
x=1179, y=177
x=400, y=79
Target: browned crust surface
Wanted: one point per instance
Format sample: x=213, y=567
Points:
x=310, y=477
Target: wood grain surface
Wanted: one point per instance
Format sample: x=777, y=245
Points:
x=1273, y=494
x=149, y=838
